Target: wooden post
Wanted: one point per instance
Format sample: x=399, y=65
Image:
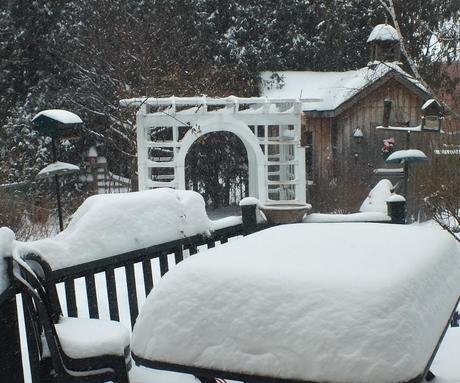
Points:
x=397, y=209
x=248, y=213
x=10, y=345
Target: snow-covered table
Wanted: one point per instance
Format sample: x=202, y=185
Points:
x=307, y=302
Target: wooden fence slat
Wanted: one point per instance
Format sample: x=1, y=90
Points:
x=224, y=240
x=112, y=294
x=179, y=255
x=70, y=297
x=132, y=292
x=148, y=277
x=211, y=243
x=92, y=296
x=164, y=264
x=193, y=249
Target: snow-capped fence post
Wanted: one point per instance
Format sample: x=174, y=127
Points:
x=10, y=347
x=249, y=214
x=397, y=208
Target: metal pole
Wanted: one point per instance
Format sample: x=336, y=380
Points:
x=406, y=168
x=58, y=189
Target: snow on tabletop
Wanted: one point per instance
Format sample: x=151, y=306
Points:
x=396, y=198
x=408, y=153
x=58, y=166
x=109, y=224
x=86, y=338
x=376, y=200
x=369, y=216
x=383, y=32
x=7, y=239
x=63, y=116
x=316, y=302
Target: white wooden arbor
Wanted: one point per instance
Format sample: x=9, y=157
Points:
x=268, y=128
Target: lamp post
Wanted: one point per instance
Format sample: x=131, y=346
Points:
x=57, y=123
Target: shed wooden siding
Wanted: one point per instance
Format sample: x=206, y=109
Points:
x=321, y=129
x=333, y=145
x=366, y=115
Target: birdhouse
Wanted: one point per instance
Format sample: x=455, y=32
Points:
x=92, y=156
x=432, y=115
x=384, y=43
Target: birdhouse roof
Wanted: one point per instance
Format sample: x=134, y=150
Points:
x=383, y=32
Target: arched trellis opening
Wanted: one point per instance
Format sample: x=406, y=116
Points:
x=269, y=130
x=217, y=167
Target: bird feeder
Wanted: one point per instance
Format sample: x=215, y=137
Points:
x=56, y=123
x=432, y=116
x=92, y=156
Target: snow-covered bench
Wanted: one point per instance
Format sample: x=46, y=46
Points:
x=308, y=303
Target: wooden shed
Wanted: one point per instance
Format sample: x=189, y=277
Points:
x=339, y=135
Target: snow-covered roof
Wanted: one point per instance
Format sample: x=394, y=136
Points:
x=60, y=115
x=332, y=88
x=430, y=102
x=92, y=151
x=383, y=32
x=289, y=303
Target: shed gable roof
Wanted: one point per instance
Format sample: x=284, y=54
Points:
x=333, y=88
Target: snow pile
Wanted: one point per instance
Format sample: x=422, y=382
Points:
x=396, y=198
x=226, y=222
x=249, y=201
x=376, y=200
x=86, y=338
x=315, y=302
x=383, y=32
x=109, y=224
x=330, y=89
x=7, y=239
x=368, y=216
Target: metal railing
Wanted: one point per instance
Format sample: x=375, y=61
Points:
x=140, y=269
